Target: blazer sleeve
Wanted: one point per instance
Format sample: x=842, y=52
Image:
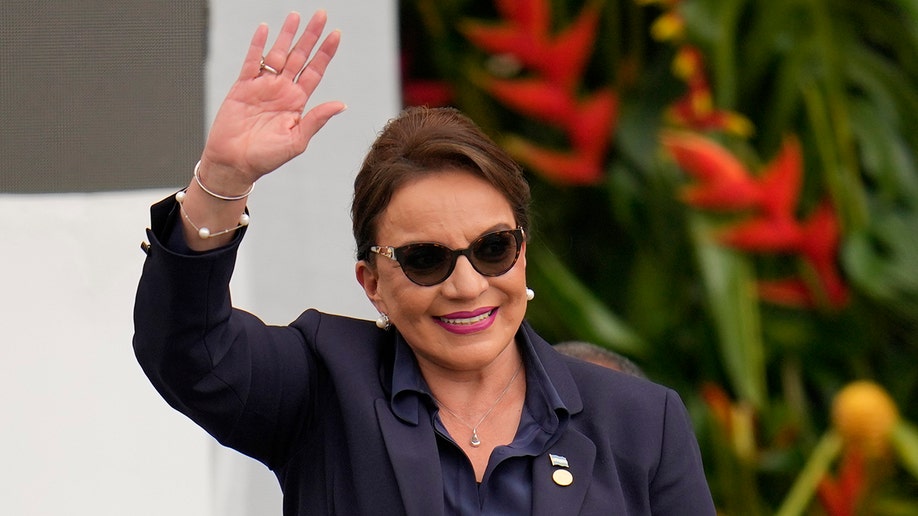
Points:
x=678, y=485
x=244, y=382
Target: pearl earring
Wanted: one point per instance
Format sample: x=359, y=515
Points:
x=530, y=294
x=382, y=322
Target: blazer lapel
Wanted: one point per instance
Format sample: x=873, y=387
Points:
x=549, y=496
x=413, y=452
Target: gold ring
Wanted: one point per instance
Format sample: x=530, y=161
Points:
x=264, y=66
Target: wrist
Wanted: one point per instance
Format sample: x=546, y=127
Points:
x=223, y=183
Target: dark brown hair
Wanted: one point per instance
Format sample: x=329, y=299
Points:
x=422, y=141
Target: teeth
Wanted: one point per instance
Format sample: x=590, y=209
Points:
x=471, y=320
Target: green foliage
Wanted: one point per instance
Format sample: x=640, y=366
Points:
x=623, y=262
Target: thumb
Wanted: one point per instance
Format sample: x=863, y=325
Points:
x=316, y=118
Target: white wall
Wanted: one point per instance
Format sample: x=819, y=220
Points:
x=82, y=432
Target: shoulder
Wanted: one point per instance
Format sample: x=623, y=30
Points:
x=344, y=342
x=610, y=400
x=320, y=328
x=628, y=417
x=313, y=321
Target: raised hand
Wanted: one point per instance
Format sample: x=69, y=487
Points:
x=261, y=124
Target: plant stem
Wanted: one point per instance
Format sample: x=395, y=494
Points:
x=815, y=469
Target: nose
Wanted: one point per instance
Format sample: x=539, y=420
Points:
x=465, y=282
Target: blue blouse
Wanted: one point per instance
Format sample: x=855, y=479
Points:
x=506, y=487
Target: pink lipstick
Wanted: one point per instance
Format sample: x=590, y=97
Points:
x=468, y=322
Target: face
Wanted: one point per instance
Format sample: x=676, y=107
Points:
x=468, y=321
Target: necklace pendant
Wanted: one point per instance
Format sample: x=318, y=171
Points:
x=475, y=441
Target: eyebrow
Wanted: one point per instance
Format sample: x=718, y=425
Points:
x=500, y=226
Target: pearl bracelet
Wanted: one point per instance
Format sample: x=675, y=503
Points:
x=211, y=193
x=203, y=232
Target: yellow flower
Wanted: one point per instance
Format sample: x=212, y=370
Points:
x=864, y=415
x=668, y=27
x=688, y=64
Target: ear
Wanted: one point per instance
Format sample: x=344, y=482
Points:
x=369, y=279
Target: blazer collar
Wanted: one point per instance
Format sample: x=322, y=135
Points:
x=413, y=452
x=561, y=378
x=548, y=496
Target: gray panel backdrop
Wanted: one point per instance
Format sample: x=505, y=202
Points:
x=97, y=95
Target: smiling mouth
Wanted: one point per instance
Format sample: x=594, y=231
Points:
x=467, y=320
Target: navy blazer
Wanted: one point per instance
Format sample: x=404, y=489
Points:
x=311, y=401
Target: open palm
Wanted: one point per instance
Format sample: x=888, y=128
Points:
x=261, y=123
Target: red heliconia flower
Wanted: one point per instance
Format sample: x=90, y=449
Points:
x=726, y=184
x=570, y=168
x=781, y=179
x=533, y=16
x=505, y=39
x=763, y=234
x=817, y=242
x=723, y=181
x=695, y=109
x=840, y=496
x=790, y=292
x=537, y=98
x=773, y=227
x=551, y=95
x=426, y=93
x=589, y=125
x=570, y=50
x=820, y=248
x=525, y=34
x=590, y=131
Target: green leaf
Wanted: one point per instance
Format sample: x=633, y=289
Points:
x=882, y=260
x=575, y=305
x=731, y=297
x=887, y=158
x=905, y=442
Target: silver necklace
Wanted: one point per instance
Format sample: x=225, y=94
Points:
x=475, y=441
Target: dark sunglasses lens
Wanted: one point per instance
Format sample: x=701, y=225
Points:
x=495, y=253
x=425, y=264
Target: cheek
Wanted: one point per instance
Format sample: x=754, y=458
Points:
x=514, y=287
x=402, y=298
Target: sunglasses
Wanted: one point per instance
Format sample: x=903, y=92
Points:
x=427, y=264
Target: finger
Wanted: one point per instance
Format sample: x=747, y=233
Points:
x=303, y=48
x=310, y=77
x=316, y=118
x=252, y=62
x=277, y=57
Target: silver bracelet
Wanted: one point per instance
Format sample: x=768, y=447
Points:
x=203, y=232
x=208, y=191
